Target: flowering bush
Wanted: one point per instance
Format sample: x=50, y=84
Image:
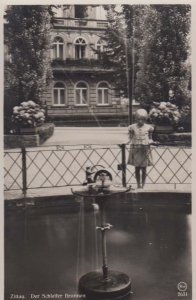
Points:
x=164, y=113
x=28, y=114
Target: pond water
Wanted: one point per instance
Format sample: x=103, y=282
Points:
x=47, y=251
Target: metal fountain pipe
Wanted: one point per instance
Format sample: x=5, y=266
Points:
x=103, y=239
x=103, y=228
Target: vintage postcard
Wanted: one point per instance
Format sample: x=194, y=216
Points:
x=97, y=150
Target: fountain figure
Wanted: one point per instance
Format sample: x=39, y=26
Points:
x=108, y=284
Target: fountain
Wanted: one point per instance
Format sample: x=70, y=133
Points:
x=108, y=284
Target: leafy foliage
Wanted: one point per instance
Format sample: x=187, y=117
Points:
x=27, y=36
x=164, y=53
x=149, y=48
x=118, y=52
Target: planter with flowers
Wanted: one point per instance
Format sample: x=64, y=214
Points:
x=165, y=116
x=27, y=117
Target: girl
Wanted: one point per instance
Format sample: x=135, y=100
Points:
x=140, y=138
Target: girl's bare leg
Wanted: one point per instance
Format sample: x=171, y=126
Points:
x=137, y=176
x=143, y=176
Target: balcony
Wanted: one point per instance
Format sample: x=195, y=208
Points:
x=84, y=64
x=84, y=23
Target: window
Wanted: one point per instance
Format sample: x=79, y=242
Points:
x=101, y=47
x=58, y=45
x=59, y=94
x=58, y=11
x=102, y=94
x=101, y=13
x=81, y=11
x=80, y=48
x=81, y=91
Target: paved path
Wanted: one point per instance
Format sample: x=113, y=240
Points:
x=87, y=135
x=61, y=191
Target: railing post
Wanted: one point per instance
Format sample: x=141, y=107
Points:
x=24, y=172
x=123, y=165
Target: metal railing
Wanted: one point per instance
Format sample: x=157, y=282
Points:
x=74, y=22
x=59, y=166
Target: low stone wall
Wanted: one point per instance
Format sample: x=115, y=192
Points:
x=21, y=140
x=43, y=132
x=90, y=121
x=174, y=139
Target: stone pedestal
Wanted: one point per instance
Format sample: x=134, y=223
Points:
x=117, y=286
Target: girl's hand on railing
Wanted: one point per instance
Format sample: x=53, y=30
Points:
x=154, y=143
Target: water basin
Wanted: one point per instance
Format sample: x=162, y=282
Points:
x=47, y=249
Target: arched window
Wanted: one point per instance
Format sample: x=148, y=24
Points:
x=59, y=95
x=102, y=94
x=58, y=46
x=81, y=93
x=80, y=48
x=101, y=47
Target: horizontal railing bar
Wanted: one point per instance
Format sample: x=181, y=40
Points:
x=103, y=146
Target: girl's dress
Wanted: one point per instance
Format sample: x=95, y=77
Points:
x=140, y=153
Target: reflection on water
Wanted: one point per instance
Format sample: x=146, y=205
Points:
x=47, y=253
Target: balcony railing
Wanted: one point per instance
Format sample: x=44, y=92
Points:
x=83, y=62
x=72, y=22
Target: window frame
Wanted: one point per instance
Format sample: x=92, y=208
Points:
x=57, y=45
x=65, y=94
x=87, y=93
x=80, y=45
x=102, y=89
x=102, y=45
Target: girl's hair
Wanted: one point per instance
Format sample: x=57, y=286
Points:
x=141, y=113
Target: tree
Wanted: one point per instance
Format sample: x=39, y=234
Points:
x=27, y=36
x=163, y=53
x=157, y=37
x=118, y=53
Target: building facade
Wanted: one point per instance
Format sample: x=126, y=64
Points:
x=81, y=88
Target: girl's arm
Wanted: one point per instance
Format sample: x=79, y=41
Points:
x=130, y=135
x=150, y=135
